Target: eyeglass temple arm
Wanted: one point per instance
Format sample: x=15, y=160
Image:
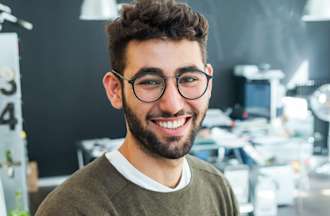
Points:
x=118, y=74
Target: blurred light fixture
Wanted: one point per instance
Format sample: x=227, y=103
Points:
x=7, y=16
x=5, y=8
x=317, y=10
x=99, y=10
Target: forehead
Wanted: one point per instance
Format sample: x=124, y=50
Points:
x=167, y=55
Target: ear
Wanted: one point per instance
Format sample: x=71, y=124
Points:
x=209, y=71
x=113, y=89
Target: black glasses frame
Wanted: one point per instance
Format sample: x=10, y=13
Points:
x=177, y=76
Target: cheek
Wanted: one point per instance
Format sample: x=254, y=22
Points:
x=201, y=104
x=130, y=98
x=139, y=108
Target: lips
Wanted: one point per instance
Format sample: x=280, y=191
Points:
x=172, y=126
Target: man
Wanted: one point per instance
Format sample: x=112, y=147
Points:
x=161, y=80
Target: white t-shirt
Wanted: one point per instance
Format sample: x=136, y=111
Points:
x=124, y=167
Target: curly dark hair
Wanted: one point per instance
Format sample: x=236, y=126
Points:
x=150, y=19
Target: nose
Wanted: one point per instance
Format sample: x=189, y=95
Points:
x=171, y=101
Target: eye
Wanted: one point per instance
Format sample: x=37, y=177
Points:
x=188, y=79
x=149, y=82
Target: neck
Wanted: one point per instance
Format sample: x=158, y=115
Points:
x=163, y=170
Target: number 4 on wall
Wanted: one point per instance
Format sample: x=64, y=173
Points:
x=7, y=116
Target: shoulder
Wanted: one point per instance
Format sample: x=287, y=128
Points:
x=97, y=176
x=212, y=182
x=206, y=174
x=198, y=165
x=87, y=187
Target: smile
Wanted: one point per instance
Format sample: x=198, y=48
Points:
x=171, y=123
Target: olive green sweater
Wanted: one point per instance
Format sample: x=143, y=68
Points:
x=100, y=190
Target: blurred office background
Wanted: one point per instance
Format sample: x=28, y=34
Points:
x=64, y=58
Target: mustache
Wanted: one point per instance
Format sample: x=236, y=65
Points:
x=169, y=115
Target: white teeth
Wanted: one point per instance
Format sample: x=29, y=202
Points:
x=171, y=124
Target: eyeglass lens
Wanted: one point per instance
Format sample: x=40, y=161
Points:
x=191, y=85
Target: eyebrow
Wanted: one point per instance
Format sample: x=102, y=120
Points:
x=188, y=69
x=147, y=71
x=157, y=71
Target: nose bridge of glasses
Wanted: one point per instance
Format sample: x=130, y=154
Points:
x=171, y=100
x=171, y=82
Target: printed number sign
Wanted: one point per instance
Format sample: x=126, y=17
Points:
x=7, y=113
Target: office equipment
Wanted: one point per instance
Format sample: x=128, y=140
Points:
x=88, y=150
x=207, y=149
x=215, y=117
x=320, y=136
x=265, y=197
x=283, y=150
x=283, y=177
x=239, y=178
x=259, y=90
x=320, y=127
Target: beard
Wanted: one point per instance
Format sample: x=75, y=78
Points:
x=151, y=144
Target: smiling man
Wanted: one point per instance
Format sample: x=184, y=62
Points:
x=161, y=79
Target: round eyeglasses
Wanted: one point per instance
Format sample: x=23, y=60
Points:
x=150, y=87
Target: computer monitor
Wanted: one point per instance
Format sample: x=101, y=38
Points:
x=255, y=97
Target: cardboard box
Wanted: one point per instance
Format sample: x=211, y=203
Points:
x=32, y=176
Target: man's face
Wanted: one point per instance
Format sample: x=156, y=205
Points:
x=166, y=127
